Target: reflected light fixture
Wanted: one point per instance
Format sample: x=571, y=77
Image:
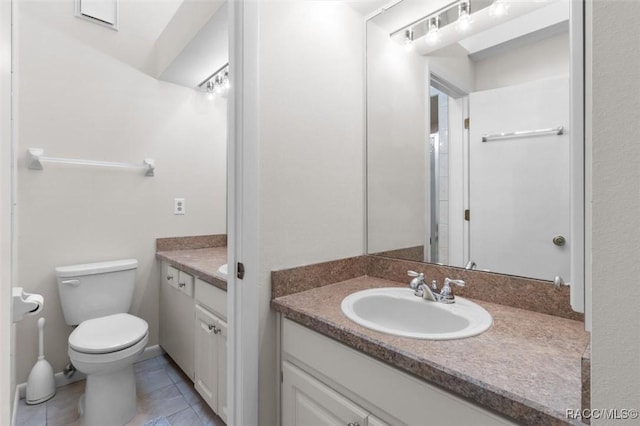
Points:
x=464, y=18
x=499, y=8
x=218, y=83
x=432, y=35
x=408, y=40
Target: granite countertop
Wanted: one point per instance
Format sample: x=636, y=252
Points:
x=202, y=263
x=527, y=366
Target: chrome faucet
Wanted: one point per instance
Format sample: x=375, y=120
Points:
x=446, y=292
x=421, y=289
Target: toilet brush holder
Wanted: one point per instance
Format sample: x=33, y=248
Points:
x=41, y=385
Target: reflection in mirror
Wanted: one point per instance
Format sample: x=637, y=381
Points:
x=193, y=49
x=468, y=135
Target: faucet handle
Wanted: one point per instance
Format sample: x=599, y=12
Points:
x=417, y=280
x=459, y=283
x=447, y=292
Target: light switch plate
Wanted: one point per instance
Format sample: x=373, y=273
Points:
x=179, y=206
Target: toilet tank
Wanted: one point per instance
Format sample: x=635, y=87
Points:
x=95, y=290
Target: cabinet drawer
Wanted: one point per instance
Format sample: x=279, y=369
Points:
x=212, y=297
x=185, y=283
x=170, y=275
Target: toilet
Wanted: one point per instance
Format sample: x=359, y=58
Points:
x=107, y=340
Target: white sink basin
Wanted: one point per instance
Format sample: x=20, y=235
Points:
x=398, y=311
x=223, y=270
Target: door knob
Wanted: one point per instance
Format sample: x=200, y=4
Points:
x=559, y=240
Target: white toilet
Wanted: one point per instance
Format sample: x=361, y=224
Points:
x=96, y=297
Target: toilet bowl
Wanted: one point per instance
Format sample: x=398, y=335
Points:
x=105, y=349
x=107, y=340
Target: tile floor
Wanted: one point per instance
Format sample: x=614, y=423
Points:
x=165, y=397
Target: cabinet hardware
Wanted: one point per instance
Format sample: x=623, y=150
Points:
x=212, y=327
x=353, y=424
x=181, y=285
x=169, y=277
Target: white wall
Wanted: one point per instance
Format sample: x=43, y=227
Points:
x=535, y=61
x=397, y=146
x=615, y=368
x=81, y=94
x=311, y=205
x=452, y=64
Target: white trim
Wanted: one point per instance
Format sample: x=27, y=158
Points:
x=588, y=159
x=576, y=131
x=242, y=214
x=7, y=370
x=61, y=380
x=150, y=352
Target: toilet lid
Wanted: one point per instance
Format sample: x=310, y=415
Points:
x=108, y=334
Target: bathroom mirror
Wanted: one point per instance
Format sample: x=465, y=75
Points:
x=469, y=135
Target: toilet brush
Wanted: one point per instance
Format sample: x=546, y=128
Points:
x=41, y=385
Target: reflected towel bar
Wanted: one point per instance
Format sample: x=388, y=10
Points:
x=523, y=133
x=35, y=158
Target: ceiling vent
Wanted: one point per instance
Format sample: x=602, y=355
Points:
x=101, y=12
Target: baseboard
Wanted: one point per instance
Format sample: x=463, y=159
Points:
x=21, y=390
x=14, y=413
x=151, y=352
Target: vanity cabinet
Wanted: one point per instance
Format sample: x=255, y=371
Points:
x=193, y=331
x=307, y=401
x=327, y=383
x=211, y=347
x=176, y=316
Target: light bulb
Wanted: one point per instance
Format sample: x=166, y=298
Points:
x=408, y=40
x=226, y=85
x=499, y=8
x=432, y=35
x=464, y=19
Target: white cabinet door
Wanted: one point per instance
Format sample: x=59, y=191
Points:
x=206, y=370
x=211, y=360
x=306, y=401
x=221, y=348
x=185, y=283
x=170, y=275
x=176, y=320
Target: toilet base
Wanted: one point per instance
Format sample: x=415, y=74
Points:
x=109, y=399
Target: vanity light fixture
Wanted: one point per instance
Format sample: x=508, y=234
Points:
x=457, y=12
x=464, y=18
x=218, y=83
x=499, y=8
x=408, y=40
x=432, y=34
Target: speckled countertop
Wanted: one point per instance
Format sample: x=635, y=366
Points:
x=526, y=366
x=202, y=263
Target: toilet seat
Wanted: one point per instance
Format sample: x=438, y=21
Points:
x=108, y=334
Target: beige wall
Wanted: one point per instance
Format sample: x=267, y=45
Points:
x=615, y=366
x=311, y=205
x=81, y=93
